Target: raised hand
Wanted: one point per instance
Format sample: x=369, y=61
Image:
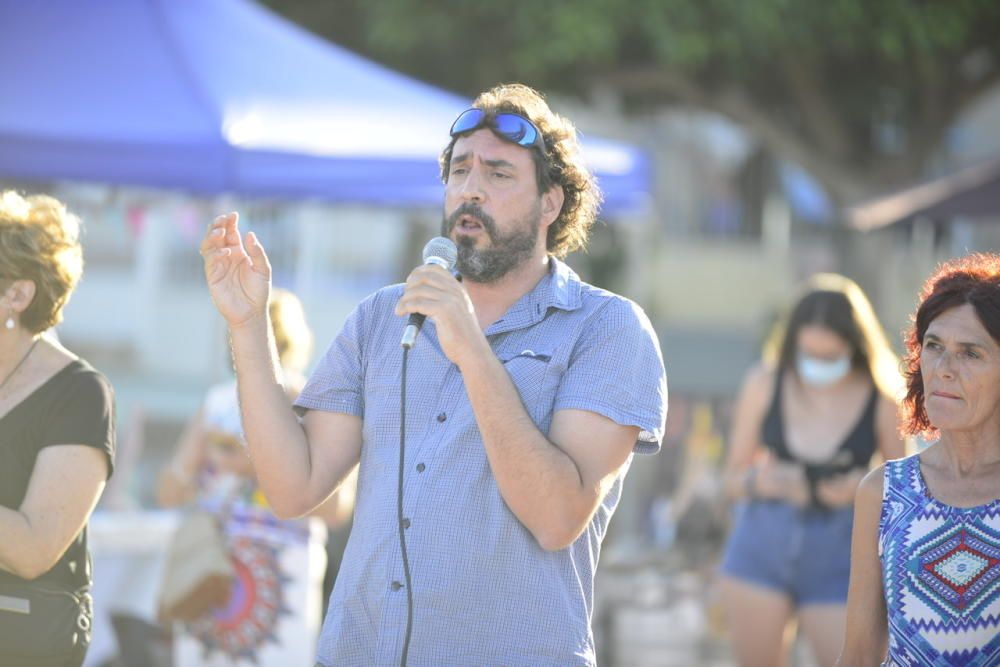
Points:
x=237, y=271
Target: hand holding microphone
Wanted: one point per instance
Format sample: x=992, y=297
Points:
x=439, y=251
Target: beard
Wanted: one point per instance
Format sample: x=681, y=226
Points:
x=505, y=253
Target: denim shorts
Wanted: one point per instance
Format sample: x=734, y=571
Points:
x=803, y=553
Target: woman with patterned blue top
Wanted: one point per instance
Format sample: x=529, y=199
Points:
x=925, y=564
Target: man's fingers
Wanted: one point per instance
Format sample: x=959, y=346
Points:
x=255, y=250
x=214, y=239
x=215, y=263
x=416, y=304
x=431, y=274
x=230, y=222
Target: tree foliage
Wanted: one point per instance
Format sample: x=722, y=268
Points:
x=860, y=92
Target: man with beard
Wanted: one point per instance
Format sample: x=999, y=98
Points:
x=529, y=393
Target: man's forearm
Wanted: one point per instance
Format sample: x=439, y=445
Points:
x=539, y=482
x=278, y=446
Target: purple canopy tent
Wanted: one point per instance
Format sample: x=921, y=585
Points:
x=213, y=96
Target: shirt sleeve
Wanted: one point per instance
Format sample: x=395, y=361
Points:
x=83, y=414
x=336, y=385
x=616, y=370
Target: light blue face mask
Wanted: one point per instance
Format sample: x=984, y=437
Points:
x=820, y=372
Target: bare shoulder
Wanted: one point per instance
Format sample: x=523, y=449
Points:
x=887, y=408
x=760, y=376
x=758, y=384
x=871, y=486
x=892, y=444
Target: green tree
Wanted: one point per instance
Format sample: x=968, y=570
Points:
x=859, y=92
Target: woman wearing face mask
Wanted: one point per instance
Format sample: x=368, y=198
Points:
x=806, y=425
x=925, y=564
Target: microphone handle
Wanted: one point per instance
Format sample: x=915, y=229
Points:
x=417, y=319
x=412, y=329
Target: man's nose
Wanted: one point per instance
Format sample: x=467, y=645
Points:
x=472, y=189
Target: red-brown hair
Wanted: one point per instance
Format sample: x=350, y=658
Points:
x=974, y=280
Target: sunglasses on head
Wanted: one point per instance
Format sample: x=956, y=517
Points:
x=509, y=126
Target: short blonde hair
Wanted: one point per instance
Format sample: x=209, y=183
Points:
x=40, y=242
x=292, y=336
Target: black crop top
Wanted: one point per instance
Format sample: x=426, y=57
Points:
x=854, y=452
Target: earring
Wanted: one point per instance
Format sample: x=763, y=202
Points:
x=9, y=323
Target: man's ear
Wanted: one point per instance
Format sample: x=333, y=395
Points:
x=552, y=203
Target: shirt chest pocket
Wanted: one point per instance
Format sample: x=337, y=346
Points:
x=530, y=371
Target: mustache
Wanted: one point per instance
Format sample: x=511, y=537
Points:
x=473, y=211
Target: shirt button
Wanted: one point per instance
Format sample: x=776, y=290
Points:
x=421, y=467
x=396, y=585
x=406, y=523
x=441, y=417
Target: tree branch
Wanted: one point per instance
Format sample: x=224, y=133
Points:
x=937, y=118
x=819, y=116
x=842, y=180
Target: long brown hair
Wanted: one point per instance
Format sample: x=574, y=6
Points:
x=838, y=304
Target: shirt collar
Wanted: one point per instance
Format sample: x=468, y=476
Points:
x=560, y=288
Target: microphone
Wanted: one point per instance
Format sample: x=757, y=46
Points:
x=444, y=253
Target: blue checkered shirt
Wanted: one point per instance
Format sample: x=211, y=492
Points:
x=484, y=592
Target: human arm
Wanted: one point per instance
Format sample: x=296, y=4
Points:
x=552, y=481
x=866, y=637
x=298, y=464
x=337, y=510
x=751, y=472
x=65, y=485
x=693, y=470
x=552, y=484
x=891, y=445
x=176, y=483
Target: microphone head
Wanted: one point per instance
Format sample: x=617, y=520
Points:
x=441, y=251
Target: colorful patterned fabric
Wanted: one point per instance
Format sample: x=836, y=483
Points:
x=941, y=574
x=271, y=616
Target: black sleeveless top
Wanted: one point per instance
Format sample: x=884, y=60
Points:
x=854, y=452
x=74, y=406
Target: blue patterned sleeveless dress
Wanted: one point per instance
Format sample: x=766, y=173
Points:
x=941, y=574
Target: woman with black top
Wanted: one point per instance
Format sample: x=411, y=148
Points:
x=806, y=425
x=56, y=441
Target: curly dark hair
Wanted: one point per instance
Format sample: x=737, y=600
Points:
x=562, y=164
x=974, y=280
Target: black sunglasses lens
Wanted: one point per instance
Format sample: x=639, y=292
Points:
x=515, y=129
x=469, y=119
